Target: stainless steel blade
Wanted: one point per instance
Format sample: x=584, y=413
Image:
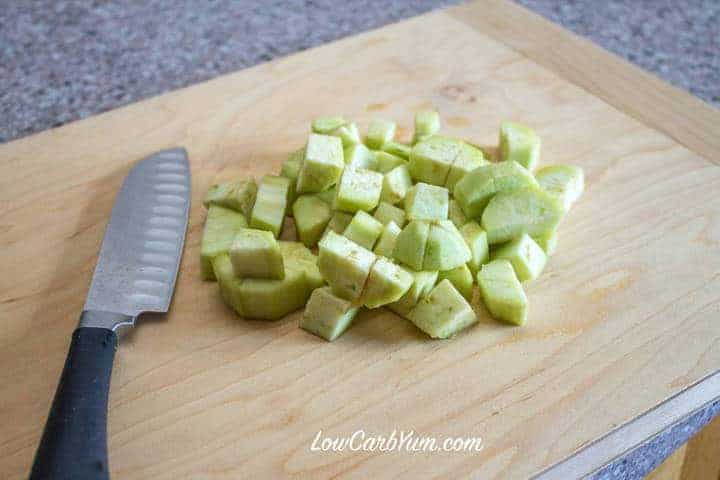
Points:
x=143, y=243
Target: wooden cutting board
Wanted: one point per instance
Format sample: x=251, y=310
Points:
x=626, y=314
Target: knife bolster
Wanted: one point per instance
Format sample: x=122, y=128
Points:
x=107, y=320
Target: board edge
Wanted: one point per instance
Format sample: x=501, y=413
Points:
x=674, y=112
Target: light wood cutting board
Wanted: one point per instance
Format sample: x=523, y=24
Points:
x=626, y=314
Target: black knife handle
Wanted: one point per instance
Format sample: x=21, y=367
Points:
x=74, y=443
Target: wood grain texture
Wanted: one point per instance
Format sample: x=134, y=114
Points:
x=679, y=115
x=671, y=468
x=625, y=314
x=702, y=459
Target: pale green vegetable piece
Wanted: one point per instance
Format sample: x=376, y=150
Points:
x=312, y=216
x=256, y=254
x=476, y=240
x=386, y=283
x=337, y=127
x=348, y=134
x=423, y=283
x=339, y=222
x=548, y=241
x=427, y=202
x=456, y=215
x=387, y=161
x=502, y=292
x=219, y=231
x=305, y=260
x=322, y=165
x=519, y=143
x=344, y=264
x=468, y=159
x=273, y=299
x=443, y=313
x=270, y=204
x=398, y=149
x=227, y=281
x=359, y=156
x=526, y=257
x=430, y=159
x=396, y=184
x=291, y=166
x=363, y=230
x=566, y=182
x=358, y=190
x=386, y=213
x=474, y=190
x=327, y=315
x=386, y=243
x=445, y=249
x=327, y=196
x=461, y=278
x=427, y=123
x=510, y=214
x=410, y=244
x=379, y=133
x=239, y=195
x=270, y=299
x=326, y=125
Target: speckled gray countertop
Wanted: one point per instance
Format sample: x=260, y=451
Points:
x=64, y=60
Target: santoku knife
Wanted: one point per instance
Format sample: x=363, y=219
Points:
x=135, y=274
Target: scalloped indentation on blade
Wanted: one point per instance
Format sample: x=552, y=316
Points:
x=143, y=242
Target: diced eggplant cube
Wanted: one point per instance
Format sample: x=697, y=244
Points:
x=326, y=125
x=430, y=159
x=358, y=156
x=566, y=182
x=221, y=226
x=476, y=240
x=358, y=190
x=386, y=243
x=379, y=133
x=271, y=204
x=387, y=161
x=312, y=216
x=509, y=215
x=445, y=249
x=256, y=254
x=443, y=313
x=238, y=195
x=410, y=244
x=386, y=283
x=322, y=165
x=474, y=190
x=468, y=159
x=396, y=184
x=456, y=215
x=344, y=264
x=427, y=202
x=502, y=292
x=519, y=143
x=423, y=283
x=526, y=257
x=327, y=315
x=461, y=278
x=398, y=149
x=427, y=123
x=363, y=230
x=386, y=213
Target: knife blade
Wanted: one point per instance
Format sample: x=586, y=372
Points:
x=135, y=273
x=143, y=241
